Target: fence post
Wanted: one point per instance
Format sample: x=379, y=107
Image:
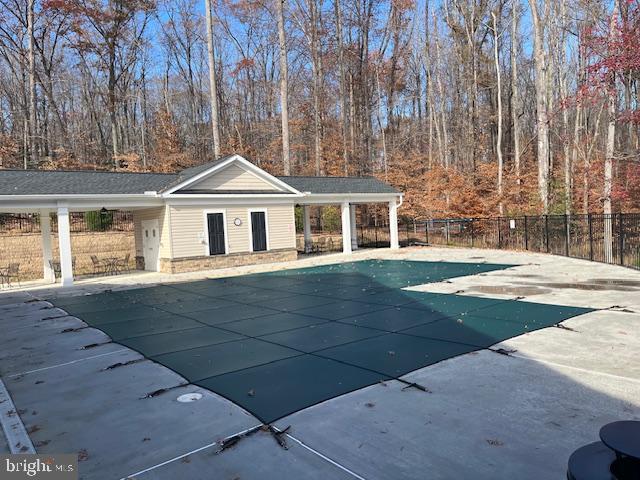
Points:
x=526, y=233
x=499, y=235
x=621, y=238
x=426, y=231
x=375, y=229
x=590, y=223
x=472, y=232
x=566, y=235
x=407, y=228
x=546, y=232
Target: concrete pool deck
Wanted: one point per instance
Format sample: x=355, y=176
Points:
x=487, y=415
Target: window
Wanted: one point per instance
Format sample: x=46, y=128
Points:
x=258, y=231
x=215, y=224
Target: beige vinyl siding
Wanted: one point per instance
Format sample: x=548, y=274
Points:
x=282, y=229
x=187, y=224
x=233, y=178
x=162, y=215
x=238, y=237
x=189, y=230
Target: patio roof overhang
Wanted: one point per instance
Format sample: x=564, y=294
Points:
x=353, y=198
x=36, y=203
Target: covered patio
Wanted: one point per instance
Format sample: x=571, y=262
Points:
x=55, y=230
x=354, y=192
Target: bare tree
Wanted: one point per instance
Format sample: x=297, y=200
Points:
x=542, y=120
x=284, y=87
x=213, y=87
x=612, y=98
x=33, y=121
x=496, y=59
x=515, y=94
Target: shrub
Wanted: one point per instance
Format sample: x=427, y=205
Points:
x=98, y=221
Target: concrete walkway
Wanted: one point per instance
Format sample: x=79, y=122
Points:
x=486, y=416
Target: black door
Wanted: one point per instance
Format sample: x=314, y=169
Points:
x=215, y=222
x=258, y=231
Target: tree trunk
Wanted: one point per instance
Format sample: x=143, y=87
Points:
x=342, y=85
x=113, y=117
x=515, y=98
x=609, y=152
x=496, y=59
x=213, y=88
x=33, y=120
x=562, y=73
x=284, y=88
x=316, y=64
x=542, y=120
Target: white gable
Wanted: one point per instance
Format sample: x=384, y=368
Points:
x=233, y=177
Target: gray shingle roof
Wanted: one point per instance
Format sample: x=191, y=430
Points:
x=88, y=182
x=51, y=182
x=338, y=185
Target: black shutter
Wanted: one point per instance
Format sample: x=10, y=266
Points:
x=215, y=222
x=258, y=231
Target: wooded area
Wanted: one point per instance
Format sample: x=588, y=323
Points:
x=471, y=107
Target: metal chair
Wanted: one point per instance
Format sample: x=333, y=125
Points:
x=321, y=245
x=11, y=272
x=57, y=267
x=122, y=265
x=99, y=267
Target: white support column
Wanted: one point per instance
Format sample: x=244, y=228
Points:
x=306, y=224
x=64, y=239
x=354, y=231
x=393, y=225
x=47, y=251
x=346, y=228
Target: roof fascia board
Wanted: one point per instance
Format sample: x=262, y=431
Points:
x=219, y=200
x=73, y=196
x=214, y=196
x=52, y=202
x=319, y=198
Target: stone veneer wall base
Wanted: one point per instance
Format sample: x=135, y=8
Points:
x=194, y=264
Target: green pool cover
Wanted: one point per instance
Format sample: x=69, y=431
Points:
x=278, y=342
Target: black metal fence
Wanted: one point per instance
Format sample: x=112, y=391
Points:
x=613, y=239
x=80, y=222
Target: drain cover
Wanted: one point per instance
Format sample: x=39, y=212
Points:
x=189, y=397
